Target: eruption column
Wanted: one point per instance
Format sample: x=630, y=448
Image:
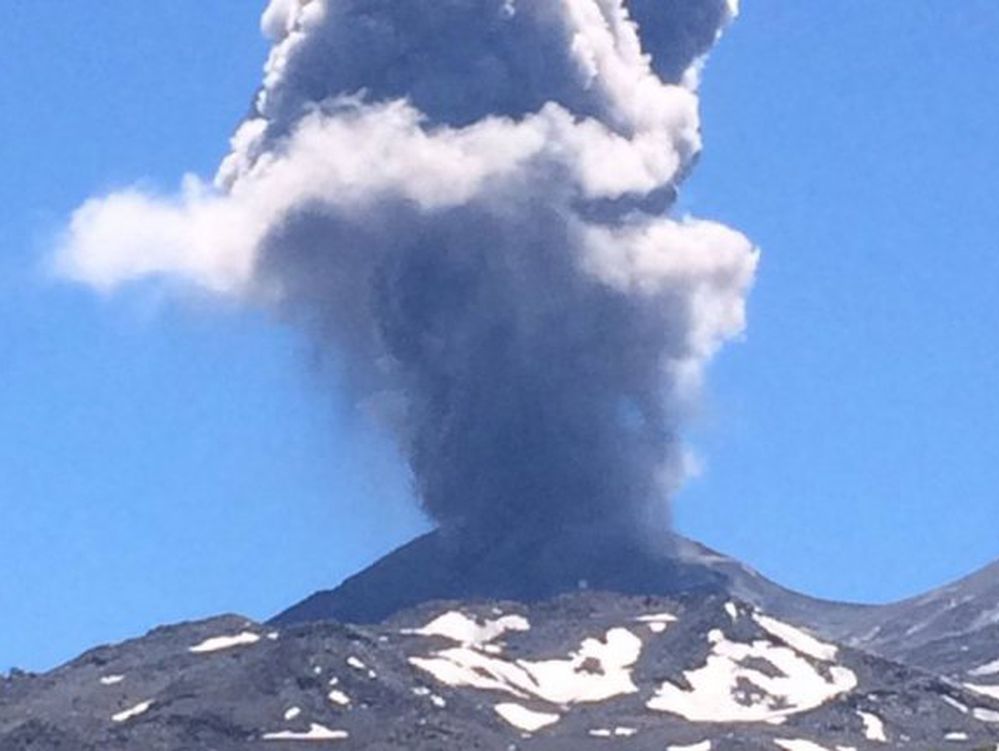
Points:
x=468, y=202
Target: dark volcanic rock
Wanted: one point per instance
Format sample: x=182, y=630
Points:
x=532, y=654
x=952, y=631
x=953, y=612
x=583, y=671
x=437, y=567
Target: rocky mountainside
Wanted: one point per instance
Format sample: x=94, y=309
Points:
x=936, y=631
x=954, y=611
x=527, y=646
x=434, y=567
x=952, y=631
x=583, y=671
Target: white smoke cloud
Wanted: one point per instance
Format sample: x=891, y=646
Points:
x=422, y=182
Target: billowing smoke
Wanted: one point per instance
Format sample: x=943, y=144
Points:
x=467, y=202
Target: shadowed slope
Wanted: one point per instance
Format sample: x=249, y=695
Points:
x=529, y=569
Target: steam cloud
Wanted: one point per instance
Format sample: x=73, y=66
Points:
x=467, y=201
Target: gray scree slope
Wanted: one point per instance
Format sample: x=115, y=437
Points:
x=715, y=664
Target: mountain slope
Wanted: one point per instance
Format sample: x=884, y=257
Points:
x=584, y=671
x=434, y=567
x=952, y=631
x=950, y=612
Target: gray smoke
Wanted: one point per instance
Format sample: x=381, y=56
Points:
x=467, y=202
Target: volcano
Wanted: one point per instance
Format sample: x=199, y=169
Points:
x=679, y=648
x=530, y=568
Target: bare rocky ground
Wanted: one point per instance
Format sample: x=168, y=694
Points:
x=589, y=670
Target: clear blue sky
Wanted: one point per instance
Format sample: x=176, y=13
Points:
x=160, y=462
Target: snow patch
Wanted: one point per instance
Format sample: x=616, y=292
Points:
x=458, y=627
x=657, y=622
x=112, y=680
x=657, y=618
x=986, y=715
x=702, y=746
x=990, y=668
x=356, y=663
x=725, y=690
x=338, y=697
x=792, y=744
x=599, y=670
x=990, y=691
x=217, y=643
x=732, y=610
x=874, y=727
x=796, y=638
x=955, y=703
x=619, y=732
x=956, y=737
x=135, y=711
x=292, y=713
x=525, y=719
x=315, y=733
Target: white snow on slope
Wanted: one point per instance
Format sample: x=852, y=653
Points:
x=112, y=680
x=338, y=697
x=657, y=618
x=955, y=703
x=599, y=670
x=791, y=744
x=991, y=668
x=619, y=732
x=986, y=715
x=702, y=746
x=292, y=713
x=874, y=727
x=135, y=711
x=217, y=643
x=725, y=690
x=315, y=733
x=459, y=627
x=525, y=719
x=990, y=691
x=657, y=622
x=796, y=638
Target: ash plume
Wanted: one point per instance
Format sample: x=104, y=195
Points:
x=467, y=201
